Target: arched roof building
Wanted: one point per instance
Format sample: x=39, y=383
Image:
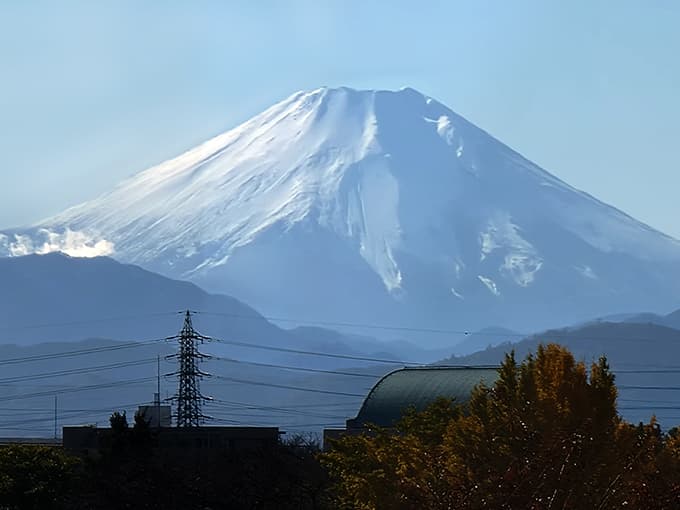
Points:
x=417, y=388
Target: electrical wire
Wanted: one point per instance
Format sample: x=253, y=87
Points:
x=279, y=417
x=650, y=408
x=77, y=371
x=76, y=389
x=315, y=353
x=649, y=371
x=67, y=415
x=271, y=409
x=464, y=332
x=287, y=387
x=656, y=369
x=250, y=405
x=88, y=321
x=630, y=387
x=334, y=324
x=79, y=352
x=301, y=369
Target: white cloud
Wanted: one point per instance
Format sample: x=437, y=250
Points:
x=70, y=242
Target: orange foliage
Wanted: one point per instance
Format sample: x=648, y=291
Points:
x=546, y=435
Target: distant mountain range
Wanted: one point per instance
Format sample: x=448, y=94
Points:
x=377, y=207
x=624, y=343
x=644, y=355
x=89, y=330
x=57, y=298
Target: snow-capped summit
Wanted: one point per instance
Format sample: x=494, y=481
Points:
x=373, y=206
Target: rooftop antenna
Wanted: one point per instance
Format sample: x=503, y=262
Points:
x=157, y=395
x=55, y=416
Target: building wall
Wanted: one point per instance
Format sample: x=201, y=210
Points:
x=156, y=416
x=88, y=440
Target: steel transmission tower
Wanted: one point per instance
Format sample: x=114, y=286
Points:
x=189, y=397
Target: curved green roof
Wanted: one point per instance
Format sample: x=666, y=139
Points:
x=418, y=387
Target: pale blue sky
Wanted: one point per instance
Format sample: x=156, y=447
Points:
x=91, y=92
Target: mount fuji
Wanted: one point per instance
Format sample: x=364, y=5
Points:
x=373, y=207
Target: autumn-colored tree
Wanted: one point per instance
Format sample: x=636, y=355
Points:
x=400, y=469
x=541, y=437
x=649, y=473
x=546, y=435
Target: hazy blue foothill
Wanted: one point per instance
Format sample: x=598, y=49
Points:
x=57, y=298
x=74, y=347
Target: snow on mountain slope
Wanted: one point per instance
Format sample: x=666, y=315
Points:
x=372, y=205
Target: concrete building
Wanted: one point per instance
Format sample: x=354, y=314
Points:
x=88, y=440
x=156, y=415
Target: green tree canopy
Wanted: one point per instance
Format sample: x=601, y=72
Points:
x=35, y=477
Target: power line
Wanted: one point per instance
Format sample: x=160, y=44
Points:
x=646, y=365
x=88, y=321
x=649, y=371
x=76, y=389
x=445, y=331
x=70, y=415
x=301, y=369
x=24, y=429
x=274, y=415
x=297, y=351
x=305, y=425
x=278, y=416
x=650, y=408
x=343, y=324
x=76, y=371
x=250, y=405
x=289, y=427
x=314, y=353
x=79, y=352
x=44, y=419
x=287, y=367
x=195, y=372
x=336, y=324
x=230, y=422
x=629, y=387
x=648, y=401
x=376, y=360
x=287, y=387
x=141, y=343
x=331, y=404
x=237, y=406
